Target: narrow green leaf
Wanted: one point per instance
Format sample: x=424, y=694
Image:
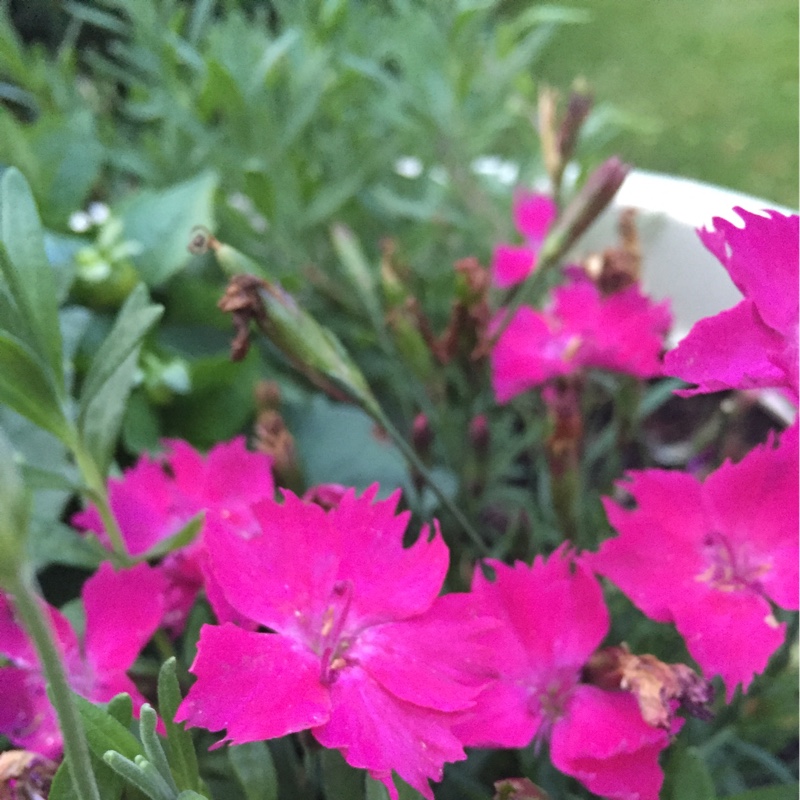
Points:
x=104, y=733
x=61, y=787
x=111, y=374
x=135, y=318
x=26, y=386
x=121, y=708
x=186, y=535
x=109, y=784
x=182, y=756
x=255, y=770
x=27, y=270
x=153, y=749
x=133, y=773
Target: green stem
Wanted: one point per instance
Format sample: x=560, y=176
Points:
x=408, y=452
x=97, y=487
x=76, y=750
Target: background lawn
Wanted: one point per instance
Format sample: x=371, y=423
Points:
x=714, y=82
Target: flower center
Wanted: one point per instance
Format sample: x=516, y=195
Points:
x=548, y=699
x=731, y=569
x=333, y=644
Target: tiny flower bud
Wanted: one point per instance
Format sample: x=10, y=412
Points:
x=479, y=434
x=578, y=107
x=421, y=435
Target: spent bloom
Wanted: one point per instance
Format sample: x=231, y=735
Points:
x=533, y=216
x=157, y=497
x=554, y=619
x=123, y=610
x=582, y=328
x=711, y=556
x=754, y=344
x=364, y=653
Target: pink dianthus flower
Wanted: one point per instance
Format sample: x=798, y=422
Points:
x=754, y=344
x=363, y=652
x=123, y=610
x=533, y=216
x=157, y=496
x=582, y=328
x=554, y=618
x=710, y=556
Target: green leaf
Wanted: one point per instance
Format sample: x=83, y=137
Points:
x=111, y=374
x=27, y=270
x=339, y=444
x=109, y=784
x=182, y=756
x=62, y=788
x=341, y=781
x=154, y=750
x=104, y=733
x=140, y=774
x=377, y=791
x=688, y=777
x=162, y=222
x=27, y=387
x=186, y=535
x=121, y=708
x=255, y=770
x=781, y=792
x=52, y=542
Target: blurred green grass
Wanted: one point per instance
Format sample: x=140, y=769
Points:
x=716, y=82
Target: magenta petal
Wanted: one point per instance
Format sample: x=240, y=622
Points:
x=123, y=611
x=378, y=732
x=511, y=265
x=762, y=260
x=565, y=599
x=503, y=716
x=528, y=353
x=229, y=475
x=284, y=574
x=728, y=351
x=730, y=634
x=26, y=716
x=755, y=504
x=254, y=685
x=15, y=644
x=603, y=741
x=439, y=660
x=657, y=556
x=533, y=215
x=390, y=581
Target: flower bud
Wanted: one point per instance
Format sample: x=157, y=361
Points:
x=311, y=348
x=584, y=208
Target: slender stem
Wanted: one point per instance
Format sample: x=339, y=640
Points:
x=406, y=449
x=76, y=750
x=97, y=486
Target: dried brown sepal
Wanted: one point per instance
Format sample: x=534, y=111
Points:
x=518, y=789
x=25, y=775
x=242, y=301
x=565, y=442
x=619, y=267
x=658, y=687
x=469, y=316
